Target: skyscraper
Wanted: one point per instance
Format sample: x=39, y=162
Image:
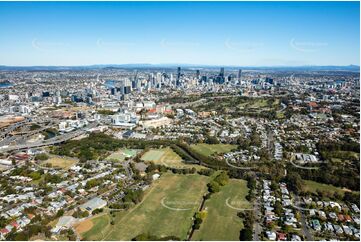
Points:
x=221, y=74
x=198, y=73
x=178, y=76
x=171, y=78
x=158, y=80
x=220, y=78
x=239, y=75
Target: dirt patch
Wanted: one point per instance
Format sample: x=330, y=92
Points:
x=84, y=226
x=346, y=189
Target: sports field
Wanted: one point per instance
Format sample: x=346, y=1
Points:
x=120, y=155
x=167, y=157
x=222, y=222
x=210, y=149
x=63, y=162
x=93, y=229
x=156, y=155
x=167, y=209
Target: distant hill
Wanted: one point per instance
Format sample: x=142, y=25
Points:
x=354, y=68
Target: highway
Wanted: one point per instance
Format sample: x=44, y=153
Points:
x=20, y=137
x=56, y=140
x=12, y=127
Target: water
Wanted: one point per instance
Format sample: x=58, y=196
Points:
x=49, y=134
x=6, y=84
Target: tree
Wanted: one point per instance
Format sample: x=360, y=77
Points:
x=278, y=208
x=222, y=179
x=202, y=214
x=41, y=157
x=213, y=187
x=211, y=140
x=35, y=175
x=243, y=143
x=351, y=197
x=197, y=223
x=251, y=183
x=245, y=235
x=255, y=139
x=294, y=182
x=206, y=172
x=52, y=178
x=247, y=217
x=85, y=214
x=60, y=213
x=274, y=185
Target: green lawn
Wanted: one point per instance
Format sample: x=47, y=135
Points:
x=210, y=149
x=280, y=115
x=167, y=209
x=153, y=155
x=167, y=157
x=63, y=162
x=259, y=103
x=222, y=222
x=120, y=155
x=100, y=224
x=312, y=186
x=276, y=103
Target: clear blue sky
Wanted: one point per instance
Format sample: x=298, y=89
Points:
x=215, y=33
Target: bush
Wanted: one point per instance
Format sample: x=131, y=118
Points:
x=222, y=179
x=41, y=157
x=213, y=187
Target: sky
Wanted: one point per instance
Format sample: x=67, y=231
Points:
x=207, y=33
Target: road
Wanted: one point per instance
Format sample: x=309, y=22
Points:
x=305, y=230
x=257, y=229
x=20, y=137
x=11, y=128
x=128, y=170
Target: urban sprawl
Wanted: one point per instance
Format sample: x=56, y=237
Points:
x=179, y=153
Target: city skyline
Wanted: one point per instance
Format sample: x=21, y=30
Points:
x=229, y=34
x=180, y=121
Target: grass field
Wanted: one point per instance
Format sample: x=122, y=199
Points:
x=120, y=155
x=156, y=155
x=312, y=186
x=167, y=157
x=61, y=161
x=259, y=103
x=280, y=115
x=222, y=222
x=208, y=149
x=276, y=103
x=167, y=209
x=94, y=229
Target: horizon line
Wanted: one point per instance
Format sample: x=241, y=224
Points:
x=181, y=64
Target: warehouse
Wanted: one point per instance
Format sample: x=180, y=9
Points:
x=93, y=204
